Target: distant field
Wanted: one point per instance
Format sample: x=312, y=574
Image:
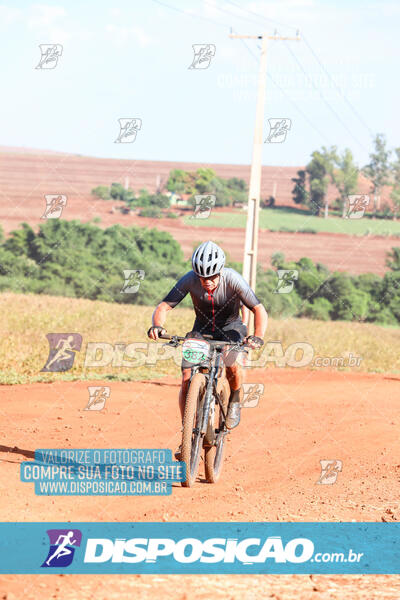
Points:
x=26, y=319
x=276, y=219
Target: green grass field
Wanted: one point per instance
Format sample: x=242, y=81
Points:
x=26, y=319
x=296, y=220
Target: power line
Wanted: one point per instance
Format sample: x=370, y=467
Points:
x=324, y=99
x=232, y=14
x=337, y=87
x=349, y=104
x=188, y=14
x=288, y=97
x=258, y=15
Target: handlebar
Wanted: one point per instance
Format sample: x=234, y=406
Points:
x=213, y=342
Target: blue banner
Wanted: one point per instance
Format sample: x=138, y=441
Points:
x=103, y=472
x=218, y=548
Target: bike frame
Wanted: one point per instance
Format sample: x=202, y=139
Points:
x=213, y=364
x=211, y=387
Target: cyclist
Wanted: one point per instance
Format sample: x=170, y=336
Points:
x=218, y=293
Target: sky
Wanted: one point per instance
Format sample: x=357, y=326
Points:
x=130, y=59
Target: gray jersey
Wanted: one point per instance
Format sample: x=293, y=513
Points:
x=221, y=306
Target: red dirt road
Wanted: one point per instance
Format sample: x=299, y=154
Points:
x=270, y=474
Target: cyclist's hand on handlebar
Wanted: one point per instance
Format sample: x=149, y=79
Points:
x=254, y=342
x=155, y=331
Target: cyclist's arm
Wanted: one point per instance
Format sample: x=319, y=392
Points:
x=160, y=314
x=251, y=302
x=260, y=320
x=173, y=298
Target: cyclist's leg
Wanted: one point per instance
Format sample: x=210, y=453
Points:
x=234, y=375
x=235, y=332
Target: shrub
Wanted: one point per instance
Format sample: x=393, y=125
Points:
x=307, y=230
x=277, y=259
x=151, y=212
x=102, y=191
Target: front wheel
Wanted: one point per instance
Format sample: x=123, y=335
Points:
x=214, y=455
x=192, y=441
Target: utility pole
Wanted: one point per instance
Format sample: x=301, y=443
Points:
x=253, y=208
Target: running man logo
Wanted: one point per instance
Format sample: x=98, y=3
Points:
x=286, y=279
x=252, y=393
x=63, y=543
x=278, y=130
x=133, y=278
x=203, y=54
x=97, y=397
x=128, y=129
x=50, y=54
x=54, y=206
x=203, y=205
x=329, y=471
x=62, y=351
x=357, y=204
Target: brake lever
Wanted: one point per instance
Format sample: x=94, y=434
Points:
x=239, y=348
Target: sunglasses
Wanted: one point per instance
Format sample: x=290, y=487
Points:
x=212, y=278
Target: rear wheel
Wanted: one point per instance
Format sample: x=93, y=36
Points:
x=192, y=441
x=214, y=455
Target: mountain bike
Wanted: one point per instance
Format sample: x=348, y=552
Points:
x=204, y=421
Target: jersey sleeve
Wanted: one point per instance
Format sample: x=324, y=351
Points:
x=243, y=290
x=179, y=291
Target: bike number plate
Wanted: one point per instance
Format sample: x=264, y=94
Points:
x=195, y=351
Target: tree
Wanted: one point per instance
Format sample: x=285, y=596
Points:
x=118, y=192
x=378, y=169
x=180, y=182
x=237, y=190
x=206, y=181
x=320, y=172
x=299, y=192
x=345, y=176
x=319, y=308
x=393, y=259
x=395, y=194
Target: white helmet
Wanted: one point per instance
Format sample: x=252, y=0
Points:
x=208, y=259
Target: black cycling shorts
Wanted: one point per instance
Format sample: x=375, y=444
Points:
x=235, y=331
